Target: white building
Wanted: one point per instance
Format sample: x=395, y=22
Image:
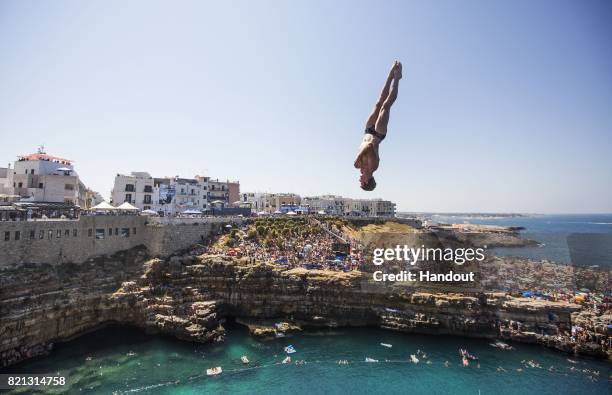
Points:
x=269, y=202
x=136, y=189
x=338, y=205
x=330, y=204
x=41, y=177
x=175, y=195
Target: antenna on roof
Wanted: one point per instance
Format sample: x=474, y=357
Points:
x=41, y=149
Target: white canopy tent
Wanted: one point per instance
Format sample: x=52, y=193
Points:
x=127, y=206
x=103, y=206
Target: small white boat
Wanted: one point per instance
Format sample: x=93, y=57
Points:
x=287, y=360
x=244, y=359
x=386, y=345
x=501, y=346
x=214, y=371
x=279, y=334
x=368, y=359
x=413, y=358
x=289, y=349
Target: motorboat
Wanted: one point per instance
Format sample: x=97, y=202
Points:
x=214, y=371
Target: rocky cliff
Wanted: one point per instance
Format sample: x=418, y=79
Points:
x=190, y=297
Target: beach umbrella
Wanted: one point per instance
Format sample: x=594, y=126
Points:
x=291, y=213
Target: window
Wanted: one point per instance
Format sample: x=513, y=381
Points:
x=148, y=188
x=32, y=234
x=128, y=197
x=41, y=234
x=17, y=235
x=32, y=171
x=116, y=231
x=89, y=232
x=146, y=208
x=20, y=185
x=50, y=234
x=67, y=233
x=125, y=232
x=59, y=233
x=99, y=234
x=7, y=236
x=69, y=187
x=110, y=231
x=147, y=199
x=40, y=185
x=134, y=230
x=74, y=233
x=129, y=187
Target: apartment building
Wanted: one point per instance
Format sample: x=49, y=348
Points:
x=338, y=205
x=330, y=204
x=223, y=193
x=40, y=177
x=135, y=188
x=270, y=202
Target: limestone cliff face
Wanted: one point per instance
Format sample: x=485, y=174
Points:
x=337, y=298
x=189, y=297
x=42, y=303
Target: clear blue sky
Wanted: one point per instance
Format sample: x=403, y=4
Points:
x=504, y=106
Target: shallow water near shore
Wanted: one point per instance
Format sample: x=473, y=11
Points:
x=552, y=232
x=125, y=360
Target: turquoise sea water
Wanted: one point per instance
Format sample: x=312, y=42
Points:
x=125, y=360
x=556, y=233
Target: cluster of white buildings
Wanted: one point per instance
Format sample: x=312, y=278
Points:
x=271, y=203
x=40, y=177
x=172, y=195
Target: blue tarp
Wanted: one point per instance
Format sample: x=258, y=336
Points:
x=282, y=261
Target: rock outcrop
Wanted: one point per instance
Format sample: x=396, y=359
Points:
x=190, y=297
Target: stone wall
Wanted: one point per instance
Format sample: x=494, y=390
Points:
x=75, y=241
x=60, y=241
x=163, y=239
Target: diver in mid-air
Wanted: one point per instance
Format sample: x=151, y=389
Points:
x=376, y=129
